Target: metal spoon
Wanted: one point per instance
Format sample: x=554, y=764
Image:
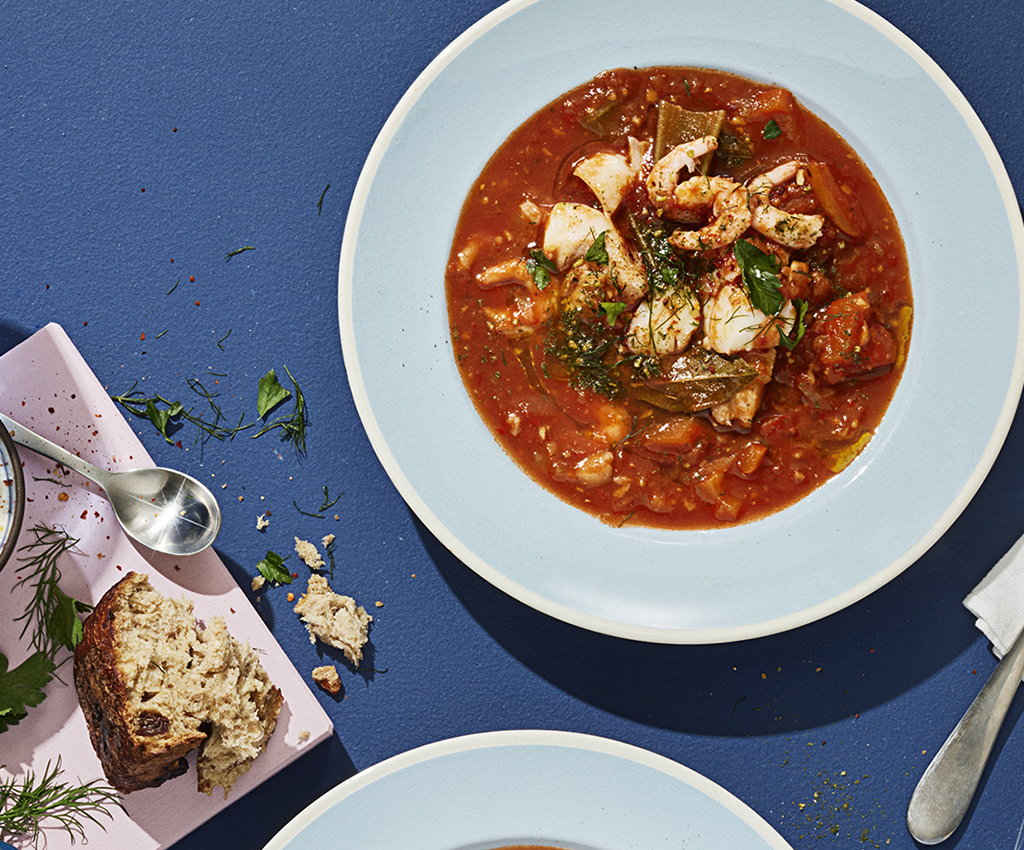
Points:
x=947, y=787
x=164, y=510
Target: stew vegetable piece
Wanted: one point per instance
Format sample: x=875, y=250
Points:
x=678, y=298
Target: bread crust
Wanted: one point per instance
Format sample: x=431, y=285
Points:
x=131, y=760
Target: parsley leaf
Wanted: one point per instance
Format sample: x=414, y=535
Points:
x=541, y=268
x=272, y=569
x=597, y=253
x=772, y=130
x=612, y=309
x=801, y=311
x=22, y=687
x=761, y=276
x=270, y=394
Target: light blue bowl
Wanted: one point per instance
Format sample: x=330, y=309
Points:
x=924, y=144
x=532, y=787
x=12, y=497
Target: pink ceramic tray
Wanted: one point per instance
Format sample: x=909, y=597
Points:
x=47, y=386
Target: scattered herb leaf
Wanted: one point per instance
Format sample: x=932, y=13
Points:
x=272, y=568
x=237, y=251
x=772, y=130
x=169, y=291
x=328, y=502
x=219, y=341
x=26, y=802
x=22, y=688
x=165, y=417
x=270, y=394
x=320, y=203
x=293, y=425
x=52, y=614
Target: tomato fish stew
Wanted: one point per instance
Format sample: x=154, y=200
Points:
x=678, y=298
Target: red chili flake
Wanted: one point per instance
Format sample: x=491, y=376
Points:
x=143, y=336
x=85, y=514
x=197, y=303
x=62, y=497
x=143, y=190
x=85, y=324
x=172, y=259
x=178, y=444
x=295, y=575
x=192, y=278
x=232, y=610
x=974, y=672
x=174, y=129
x=119, y=567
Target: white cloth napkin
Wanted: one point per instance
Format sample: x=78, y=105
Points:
x=997, y=600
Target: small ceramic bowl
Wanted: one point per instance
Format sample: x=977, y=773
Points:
x=12, y=496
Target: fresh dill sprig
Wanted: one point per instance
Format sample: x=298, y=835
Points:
x=292, y=425
x=25, y=803
x=320, y=203
x=328, y=502
x=164, y=413
x=52, y=615
x=237, y=251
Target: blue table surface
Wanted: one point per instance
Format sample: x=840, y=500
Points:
x=134, y=134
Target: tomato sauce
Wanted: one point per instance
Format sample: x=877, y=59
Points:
x=573, y=353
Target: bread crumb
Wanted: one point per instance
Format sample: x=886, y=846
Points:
x=258, y=582
x=327, y=541
x=379, y=604
x=291, y=596
x=327, y=678
x=308, y=552
x=334, y=619
x=262, y=521
x=303, y=735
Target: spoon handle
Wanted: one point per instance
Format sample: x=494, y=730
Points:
x=947, y=787
x=30, y=440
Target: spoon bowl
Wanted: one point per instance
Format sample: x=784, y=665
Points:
x=163, y=509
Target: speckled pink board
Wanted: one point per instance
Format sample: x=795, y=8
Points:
x=47, y=386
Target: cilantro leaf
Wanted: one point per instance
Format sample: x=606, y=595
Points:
x=541, y=268
x=760, y=276
x=272, y=568
x=269, y=394
x=597, y=253
x=22, y=687
x=772, y=130
x=612, y=309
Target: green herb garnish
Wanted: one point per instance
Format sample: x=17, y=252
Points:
x=761, y=276
x=541, y=268
x=52, y=614
x=597, y=253
x=269, y=394
x=612, y=310
x=320, y=203
x=164, y=413
x=772, y=130
x=52, y=617
x=22, y=687
x=328, y=502
x=237, y=251
x=25, y=803
x=292, y=425
x=272, y=568
x=799, y=327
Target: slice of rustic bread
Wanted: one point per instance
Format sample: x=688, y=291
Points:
x=154, y=684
